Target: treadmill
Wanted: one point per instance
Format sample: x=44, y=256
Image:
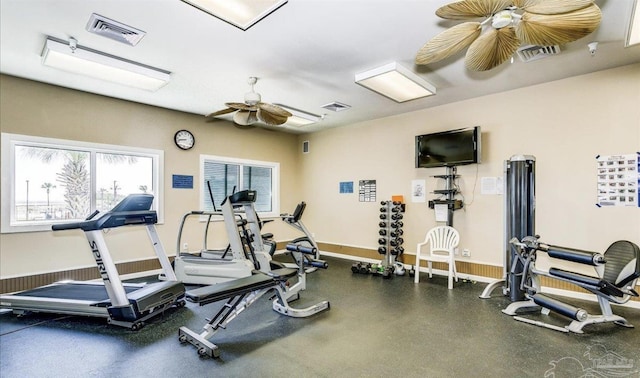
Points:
x=122, y=304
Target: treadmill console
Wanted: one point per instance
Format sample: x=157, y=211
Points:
x=243, y=196
x=134, y=209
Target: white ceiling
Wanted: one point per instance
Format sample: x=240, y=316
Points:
x=305, y=54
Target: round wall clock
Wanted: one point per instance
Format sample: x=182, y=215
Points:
x=184, y=139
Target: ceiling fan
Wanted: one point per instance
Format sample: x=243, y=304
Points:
x=253, y=110
x=508, y=23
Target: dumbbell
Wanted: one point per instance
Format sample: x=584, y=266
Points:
x=396, y=232
x=382, y=250
x=396, y=216
x=383, y=216
x=383, y=209
x=382, y=241
x=383, y=203
x=397, y=203
x=382, y=224
x=397, y=224
x=382, y=232
x=397, y=251
x=396, y=209
x=396, y=242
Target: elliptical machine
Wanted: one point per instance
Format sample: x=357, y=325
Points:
x=245, y=253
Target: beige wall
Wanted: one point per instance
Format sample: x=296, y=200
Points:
x=564, y=124
x=32, y=108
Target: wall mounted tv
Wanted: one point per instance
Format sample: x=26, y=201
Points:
x=448, y=148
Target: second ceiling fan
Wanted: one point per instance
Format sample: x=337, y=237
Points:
x=253, y=110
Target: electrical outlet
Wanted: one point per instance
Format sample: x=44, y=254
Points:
x=466, y=253
x=185, y=247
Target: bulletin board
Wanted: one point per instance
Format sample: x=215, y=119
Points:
x=618, y=180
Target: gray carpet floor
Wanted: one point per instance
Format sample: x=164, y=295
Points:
x=375, y=328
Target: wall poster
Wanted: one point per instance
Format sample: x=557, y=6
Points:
x=367, y=191
x=618, y=180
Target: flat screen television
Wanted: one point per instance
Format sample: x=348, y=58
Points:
x=448, y=148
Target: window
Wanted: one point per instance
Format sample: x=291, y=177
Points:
x=224, y=175
x=47, y=181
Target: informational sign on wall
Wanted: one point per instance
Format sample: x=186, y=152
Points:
x=618, y=180
x=346, y=187
x=367, y=191
x=418, y=191
x=182, y=182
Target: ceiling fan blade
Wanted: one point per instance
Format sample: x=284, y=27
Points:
x=556, y=6
x=241, y=106
x=492, y=49
x=274, y=109
x=465, y=9
x=448, y=42
x=245, y=117
x=271, y=119
x=220, y=112
x=525, y=3
x=547, y=30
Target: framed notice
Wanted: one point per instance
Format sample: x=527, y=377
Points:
x=618, y=180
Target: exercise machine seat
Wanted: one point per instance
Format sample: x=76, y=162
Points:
x=442, y=241
x=213, y=293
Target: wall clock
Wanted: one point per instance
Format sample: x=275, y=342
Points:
x=184, y=139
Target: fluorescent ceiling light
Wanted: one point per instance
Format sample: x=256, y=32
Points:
x=240, y=13
x=300, y=117
x=396, y=82
x=84, y=61
x=633, y=32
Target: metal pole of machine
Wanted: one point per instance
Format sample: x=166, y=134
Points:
x=520, y=216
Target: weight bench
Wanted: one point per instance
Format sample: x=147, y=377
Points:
x=617, y=271
x=241, y=294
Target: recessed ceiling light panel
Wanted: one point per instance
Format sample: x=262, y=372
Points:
x=240, y=13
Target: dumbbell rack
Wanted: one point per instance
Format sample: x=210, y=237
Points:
x=389, y=241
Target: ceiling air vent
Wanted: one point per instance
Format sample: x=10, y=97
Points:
x=531, y=53
x=115, y=30
x=336, y=106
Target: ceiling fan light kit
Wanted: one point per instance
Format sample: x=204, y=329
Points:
x=395, y=82
x=507, y=25
x=242, y=14
x=71, y=57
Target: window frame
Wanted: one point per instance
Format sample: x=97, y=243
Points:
x=275, y=179
x=10, y=141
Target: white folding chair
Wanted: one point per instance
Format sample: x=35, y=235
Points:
x=443, y=240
